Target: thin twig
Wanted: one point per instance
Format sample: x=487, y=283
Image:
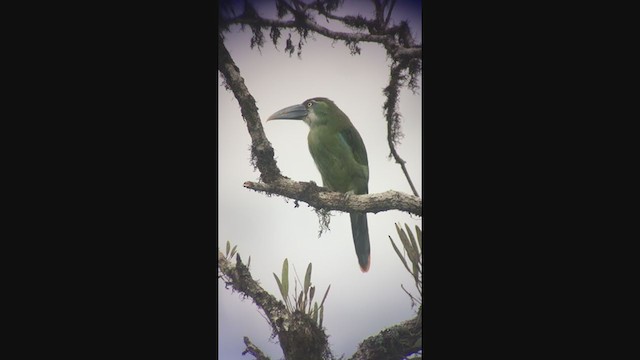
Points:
x=393, y=118
x=386, y=22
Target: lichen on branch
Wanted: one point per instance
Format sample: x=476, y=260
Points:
x=330, y=200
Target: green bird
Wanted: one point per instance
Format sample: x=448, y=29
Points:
x=340, y=156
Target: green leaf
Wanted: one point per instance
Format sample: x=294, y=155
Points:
x=414, y=244
x=285, y=277
x=300, y=302
x=403, y=237
x=325, y=295
x=249, y=262
x=295, y=286
x=413, y=253
x=315, y=313
x=284, y=297
x=415, y=273
x=233, y=251
x=399, y=255
x=321, y=315
x=417, y=263
x=228, y=248
x=307, y=279
x=312, y=291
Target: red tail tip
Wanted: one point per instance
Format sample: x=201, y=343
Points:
x=365, y=268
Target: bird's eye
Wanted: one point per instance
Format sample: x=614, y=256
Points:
x=309, y=104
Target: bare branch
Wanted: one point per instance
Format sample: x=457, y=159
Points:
x=254, y=350
x=395, y=342
x=386, y=22
x=321, y=198
x=379, y=10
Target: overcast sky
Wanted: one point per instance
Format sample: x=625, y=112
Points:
x=270, y=229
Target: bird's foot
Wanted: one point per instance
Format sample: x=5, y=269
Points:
x=347, y=195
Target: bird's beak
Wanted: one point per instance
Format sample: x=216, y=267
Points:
x=295, y=112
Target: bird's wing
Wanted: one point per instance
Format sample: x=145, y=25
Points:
x=352, y=138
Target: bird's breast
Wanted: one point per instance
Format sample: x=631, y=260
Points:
x=336, y=163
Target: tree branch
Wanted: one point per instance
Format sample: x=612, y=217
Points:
x=299, y=335
x=261, y=150
x=392, y=92
x=386, y=22
x=254, y=350
x=240, y=279
x=379, y=10
x=357, y=22
x=385, y=37
x=321, y=198
x=392, y=343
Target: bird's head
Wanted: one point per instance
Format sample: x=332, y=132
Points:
x=312, y=111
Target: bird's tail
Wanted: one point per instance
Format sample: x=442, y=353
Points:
x=360, y=231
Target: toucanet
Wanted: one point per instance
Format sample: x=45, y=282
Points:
x=340, y=156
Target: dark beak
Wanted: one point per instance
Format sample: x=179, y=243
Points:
x=295, y=112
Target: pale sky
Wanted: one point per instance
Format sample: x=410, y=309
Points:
x=270, y=229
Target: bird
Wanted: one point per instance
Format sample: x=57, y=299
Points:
x=341, y=158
